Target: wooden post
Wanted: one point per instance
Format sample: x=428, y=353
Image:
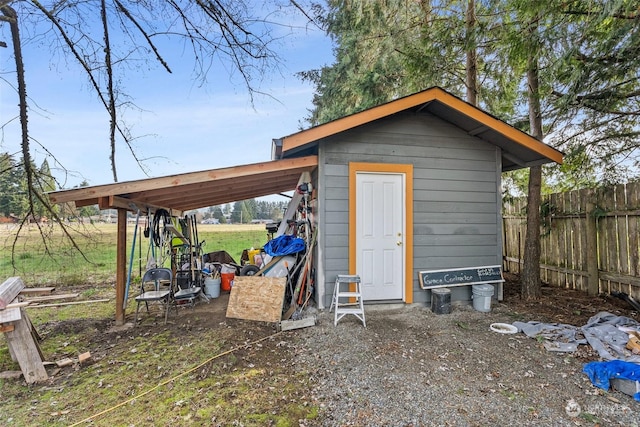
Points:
x=593, y=280
x=121, y=265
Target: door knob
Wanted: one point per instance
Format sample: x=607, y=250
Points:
x=399, y=243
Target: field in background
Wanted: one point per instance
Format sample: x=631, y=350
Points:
x=55, y=261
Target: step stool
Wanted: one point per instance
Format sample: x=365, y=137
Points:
x=352, y=307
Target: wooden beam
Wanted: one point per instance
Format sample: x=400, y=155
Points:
x=52, y=297
x=86, y=202
x=9, y=290
x=175, y=181
x=187, y=199
x=26, y=351
x=217, y=192
x=60, y=304
x=47, y=290
x=121, y=265
x=10, y=314
x=132, y=205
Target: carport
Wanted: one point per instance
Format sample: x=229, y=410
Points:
x=184, y=192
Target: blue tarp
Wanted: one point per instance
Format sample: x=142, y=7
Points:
x=601, y=372
x=284, y=245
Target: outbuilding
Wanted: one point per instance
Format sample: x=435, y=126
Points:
x=410, y=185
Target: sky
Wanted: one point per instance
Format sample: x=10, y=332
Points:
x=182, y=127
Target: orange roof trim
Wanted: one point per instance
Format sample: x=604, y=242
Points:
x=433, y=94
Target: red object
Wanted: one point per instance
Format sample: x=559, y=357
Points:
x=226, y=281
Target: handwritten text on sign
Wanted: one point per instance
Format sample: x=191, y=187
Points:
x=460, y=276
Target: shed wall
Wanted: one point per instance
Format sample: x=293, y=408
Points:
x=456, y=204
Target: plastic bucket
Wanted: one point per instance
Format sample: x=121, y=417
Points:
x=441, y=300
x=227, y=281
x=252, y=255
x=482, y=297
x=212, y=287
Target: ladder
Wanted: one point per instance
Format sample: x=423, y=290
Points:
x=354, y=305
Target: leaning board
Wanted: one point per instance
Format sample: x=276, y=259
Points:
x=257, y=298
x=460, y=276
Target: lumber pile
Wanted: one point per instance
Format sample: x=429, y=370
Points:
x=19, y=332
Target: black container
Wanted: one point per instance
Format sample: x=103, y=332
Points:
x=441, y=300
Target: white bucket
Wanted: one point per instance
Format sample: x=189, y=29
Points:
x=212, y=287
x=482, y=297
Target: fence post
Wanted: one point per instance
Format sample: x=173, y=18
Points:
x=593, y=280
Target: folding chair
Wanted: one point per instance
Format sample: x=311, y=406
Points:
x=159, y=277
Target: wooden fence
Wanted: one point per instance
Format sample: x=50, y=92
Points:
x=589, y=239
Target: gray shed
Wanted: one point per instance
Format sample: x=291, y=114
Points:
x=407, y=186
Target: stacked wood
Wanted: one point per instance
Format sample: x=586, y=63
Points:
x=19, y=332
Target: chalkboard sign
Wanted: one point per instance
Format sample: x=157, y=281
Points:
x=460, y=276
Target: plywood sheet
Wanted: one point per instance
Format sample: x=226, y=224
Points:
x=257, y=298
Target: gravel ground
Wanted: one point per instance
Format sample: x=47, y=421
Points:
x=411, y=367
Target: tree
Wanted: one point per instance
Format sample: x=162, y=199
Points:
x=565, y=69
x=12, y=195
x=597, y=90
x=217, y=214
x=109, y=38
x=388, y=49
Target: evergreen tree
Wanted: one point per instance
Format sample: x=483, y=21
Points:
x=219, y=215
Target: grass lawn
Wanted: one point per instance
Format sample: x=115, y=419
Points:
x=201, y=368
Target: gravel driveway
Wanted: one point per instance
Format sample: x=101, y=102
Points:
x=411, y=367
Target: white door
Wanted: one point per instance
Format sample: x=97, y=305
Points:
x=380, y=234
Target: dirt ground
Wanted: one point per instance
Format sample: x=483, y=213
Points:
x=382, y=374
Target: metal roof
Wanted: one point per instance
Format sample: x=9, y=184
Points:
x=193, y=190
x=519, y=150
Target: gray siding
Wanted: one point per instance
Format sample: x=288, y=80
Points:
x=456, y=203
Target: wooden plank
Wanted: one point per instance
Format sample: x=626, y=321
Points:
x=64, y=362
x=591, y=247
x=288, y=325
x=6, y=327
x=18, y=304
x=574, y=238
x=10, y=375
x=10, y=314
x=583, y=196
x=26, y=351
x=633, y=200
x=619, y=278
x=552, y=241
x=69, y=303
x=583, y=241
x=84, y=358
x=555, y=268
x=257, y=298
x=561, y=227
x=622, y=231
x=52, y=297
x=37, y=291
x=9, y=290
